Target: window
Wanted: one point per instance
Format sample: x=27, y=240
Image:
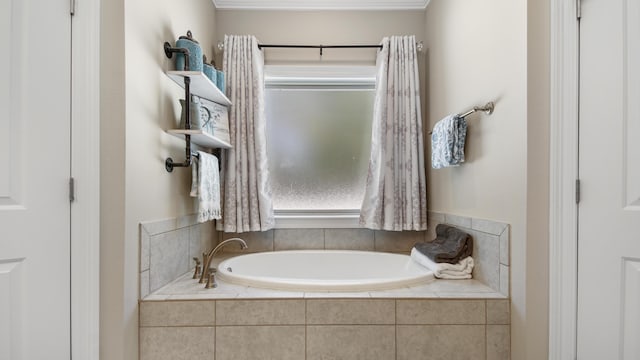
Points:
x=318, y=140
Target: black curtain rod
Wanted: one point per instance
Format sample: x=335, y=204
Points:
x=321, y=47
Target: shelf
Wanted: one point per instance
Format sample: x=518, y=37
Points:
x=201, y=138
x=200, y=86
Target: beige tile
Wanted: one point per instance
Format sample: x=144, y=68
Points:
x=441, y=342
x=144, y=249
x=435, y=217
x=488, y=226
x=498, y=312
x=298, y=239
x=260, y=312
x=397, y=241
x=159, y=226
x=169, y=257
x=498, y=342
x=453, y=286
x=504, y=280
x=352, y=312
x=260, y=342
x=256, y=241
x=348, y=239
x=336, y=295
x=144, y=284
x=441, y=311
x=177, y=313
x=486, y=256
x=187, y=220
x=504, y=247
x=458, y=221
x=357, y=342
x=170, y=343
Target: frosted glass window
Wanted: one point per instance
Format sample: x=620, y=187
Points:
x=318, y=140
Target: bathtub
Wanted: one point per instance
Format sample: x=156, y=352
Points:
x=324, y=270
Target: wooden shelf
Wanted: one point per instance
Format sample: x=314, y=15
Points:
x=200, y=86
x=201, y=138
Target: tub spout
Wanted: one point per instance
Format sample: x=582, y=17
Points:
x=208, y=257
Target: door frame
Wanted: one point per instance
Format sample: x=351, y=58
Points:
x=85, y=169
x=563, y=162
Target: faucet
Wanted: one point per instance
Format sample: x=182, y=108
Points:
x=208, y=257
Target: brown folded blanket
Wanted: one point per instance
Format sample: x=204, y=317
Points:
x=450, y=245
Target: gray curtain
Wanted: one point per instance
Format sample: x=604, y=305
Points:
x=247, y=190
x=396, y=191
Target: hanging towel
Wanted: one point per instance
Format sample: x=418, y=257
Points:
x=447, y=142
x=205, y=185
x=458, y=271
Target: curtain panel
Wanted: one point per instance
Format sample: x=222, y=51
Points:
x=396, y=196
x=247, y=191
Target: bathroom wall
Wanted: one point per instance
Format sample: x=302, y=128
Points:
x=322, y=27
x=497, y=50
x=538, y=117
x=138, y=103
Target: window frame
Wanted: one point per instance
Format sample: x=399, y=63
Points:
x=314, y=77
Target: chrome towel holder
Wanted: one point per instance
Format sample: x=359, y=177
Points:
x=487, y=109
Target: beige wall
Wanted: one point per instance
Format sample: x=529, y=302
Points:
x=477, y=52
x=138, y=103
x=538, y=117
x=321, y=27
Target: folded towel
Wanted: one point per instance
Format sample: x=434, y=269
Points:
x=450, y=245
x=461, y=270
x=447, y=142
x=205, y=185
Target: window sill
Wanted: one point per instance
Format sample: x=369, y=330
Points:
x=318, y=219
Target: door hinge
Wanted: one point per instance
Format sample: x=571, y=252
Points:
x=577, y=191
x=72, y=7
x=72, y=190
x=578, y=9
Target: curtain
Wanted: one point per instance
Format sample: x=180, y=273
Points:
x=247, y=192
x=396, y=195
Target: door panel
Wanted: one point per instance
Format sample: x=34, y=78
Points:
x=34, y=173
x=609, y=213
x=631, y=98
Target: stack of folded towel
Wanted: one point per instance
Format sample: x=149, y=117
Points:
x=447, y=142
x=448, y=256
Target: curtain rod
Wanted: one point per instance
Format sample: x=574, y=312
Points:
x=321, y=47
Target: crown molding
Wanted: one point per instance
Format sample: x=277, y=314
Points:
x=322, y=4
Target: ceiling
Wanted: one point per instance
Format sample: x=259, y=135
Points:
x=321, y=4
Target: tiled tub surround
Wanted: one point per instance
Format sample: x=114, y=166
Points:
x=167, y=248
x=310, y=329
x=457, y=319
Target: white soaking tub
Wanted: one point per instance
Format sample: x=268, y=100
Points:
x=324, y=270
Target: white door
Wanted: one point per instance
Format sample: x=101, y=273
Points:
x=609, y=213
x=34, y=173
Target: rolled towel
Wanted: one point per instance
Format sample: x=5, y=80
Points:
x=450, y=245
x=459, y=271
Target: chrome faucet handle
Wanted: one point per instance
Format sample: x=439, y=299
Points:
x=196, y=272
x=204, y=273
x=211, y=280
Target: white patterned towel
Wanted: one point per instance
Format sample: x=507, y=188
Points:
x=461, y=270
x=447, y=142
x=205, y=185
